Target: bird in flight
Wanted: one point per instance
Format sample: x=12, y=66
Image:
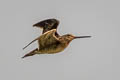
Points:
x=50, y=41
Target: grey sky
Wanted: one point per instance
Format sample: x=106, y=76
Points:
x=97, y=58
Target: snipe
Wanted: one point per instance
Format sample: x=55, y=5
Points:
x=50, y=41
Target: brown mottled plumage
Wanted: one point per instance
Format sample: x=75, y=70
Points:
x=50, y=41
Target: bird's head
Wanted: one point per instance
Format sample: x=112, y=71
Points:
x=70, y=37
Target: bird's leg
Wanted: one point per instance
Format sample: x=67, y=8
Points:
x=31, y=53
x=31, y=42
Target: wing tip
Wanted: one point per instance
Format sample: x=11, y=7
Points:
x=42, y=23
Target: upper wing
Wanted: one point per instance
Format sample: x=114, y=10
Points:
x=48, y=39
x=47, y=24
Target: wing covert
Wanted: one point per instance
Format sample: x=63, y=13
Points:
x=48, y=39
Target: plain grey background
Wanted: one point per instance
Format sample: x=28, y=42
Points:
x=96, y=58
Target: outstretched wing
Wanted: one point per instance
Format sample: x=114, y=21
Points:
x=47, y=24
x=48, y=39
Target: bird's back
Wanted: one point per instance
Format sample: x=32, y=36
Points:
x=50, y=43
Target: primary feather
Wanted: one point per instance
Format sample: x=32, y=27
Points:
x=47, y=24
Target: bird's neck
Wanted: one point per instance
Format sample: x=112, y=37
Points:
x=64, y=40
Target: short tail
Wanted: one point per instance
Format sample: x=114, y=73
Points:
x=30, y=53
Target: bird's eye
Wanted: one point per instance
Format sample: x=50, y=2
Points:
x=46, y=23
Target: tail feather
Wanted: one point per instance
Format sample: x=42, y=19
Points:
x=30, y=53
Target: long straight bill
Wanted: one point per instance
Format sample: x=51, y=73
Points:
x=82, y=37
